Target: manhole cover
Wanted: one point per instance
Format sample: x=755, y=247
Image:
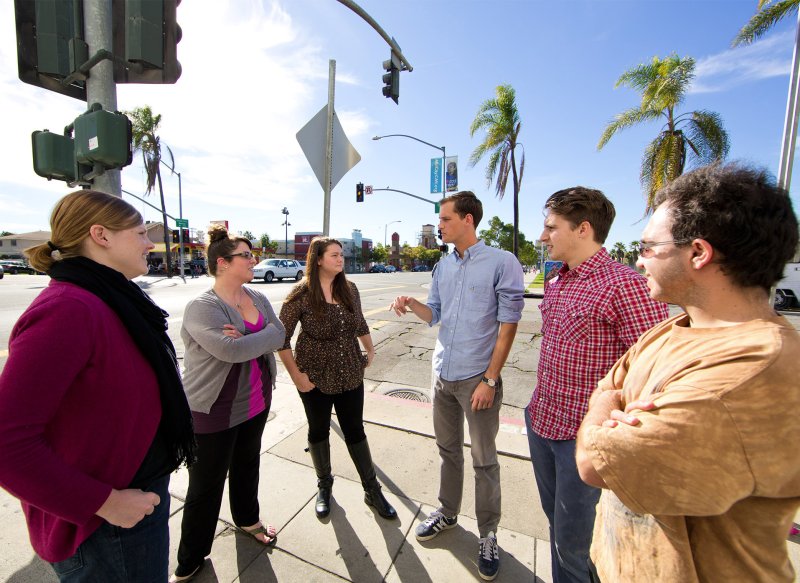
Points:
x=410, y=394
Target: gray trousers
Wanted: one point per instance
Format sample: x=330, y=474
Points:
x=451, y=403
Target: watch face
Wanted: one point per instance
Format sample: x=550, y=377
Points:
x=491, y=382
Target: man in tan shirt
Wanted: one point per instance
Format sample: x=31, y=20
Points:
x=692, y=432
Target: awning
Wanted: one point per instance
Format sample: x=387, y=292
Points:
x=174, y=247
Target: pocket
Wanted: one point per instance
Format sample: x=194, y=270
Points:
x=70, y=565
x=576, y=326
x=479, y=296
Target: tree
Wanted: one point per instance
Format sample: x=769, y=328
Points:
x=6, y=233
x=501, y=235
x=696, y=135
x=618, y=252
x=379, y=254
x=768, y=14
x=248, y=235
x=632, y=255
x=500, y=118
x=146, y=140
x=269, y=246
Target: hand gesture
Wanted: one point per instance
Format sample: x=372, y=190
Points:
x=231, y=331
x=400, y=305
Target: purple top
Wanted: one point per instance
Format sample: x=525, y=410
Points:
x=79, y=407
x=247, y=392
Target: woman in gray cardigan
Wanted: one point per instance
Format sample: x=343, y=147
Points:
x=230, y=333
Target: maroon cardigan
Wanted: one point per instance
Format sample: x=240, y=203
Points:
x=79, y=407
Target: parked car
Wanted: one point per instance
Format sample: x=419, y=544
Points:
x=14, y=267
x=378, y=268
x=420, y=268
x=1, y=272
x=390, y=269
x=787, y=290
x=279, y=269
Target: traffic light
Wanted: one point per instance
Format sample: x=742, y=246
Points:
x=50, y=44
x=103, y=137
x=391, y=80
x=146, y=35
x=53, y=156
x=360, y=192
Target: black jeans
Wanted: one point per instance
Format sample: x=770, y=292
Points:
x=237, y=453
x=349, y=410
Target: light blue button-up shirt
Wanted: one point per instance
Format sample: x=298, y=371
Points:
x=469, y=297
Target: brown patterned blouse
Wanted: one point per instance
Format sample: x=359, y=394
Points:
x=327, y=349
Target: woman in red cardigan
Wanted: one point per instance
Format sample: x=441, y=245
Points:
x=93, y=417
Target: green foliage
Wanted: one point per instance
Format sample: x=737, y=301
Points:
x=6, y=233
x=499, y=117
x=769, y=13
x=379, y=254
x=698, y=136
x=501, y=235
x=618, y=252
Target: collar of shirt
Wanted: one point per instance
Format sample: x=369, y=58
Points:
x=586, y=268
x=473, y=249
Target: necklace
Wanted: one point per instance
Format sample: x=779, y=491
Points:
x=237, y=303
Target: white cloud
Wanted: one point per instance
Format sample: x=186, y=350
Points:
x=767, y=58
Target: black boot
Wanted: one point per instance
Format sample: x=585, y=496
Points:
x=321, y=456
x=372, y=489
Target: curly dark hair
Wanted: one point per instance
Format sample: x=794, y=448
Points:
x=742, y=213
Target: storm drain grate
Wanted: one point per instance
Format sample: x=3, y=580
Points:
x=409, y=394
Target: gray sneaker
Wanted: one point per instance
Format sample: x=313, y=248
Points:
x=433, y=525
x=488, y=557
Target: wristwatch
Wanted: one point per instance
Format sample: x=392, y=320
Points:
x=491, y=382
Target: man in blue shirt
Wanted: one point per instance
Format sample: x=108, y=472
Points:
x=476, y=297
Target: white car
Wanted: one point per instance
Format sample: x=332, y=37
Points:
x=787, y=290
x=279, y=269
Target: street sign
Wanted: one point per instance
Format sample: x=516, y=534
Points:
x=182, y=223
x=311, y=138
x=368, y=189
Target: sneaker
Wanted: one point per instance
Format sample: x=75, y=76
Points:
x=488, y=557
x=433, y=525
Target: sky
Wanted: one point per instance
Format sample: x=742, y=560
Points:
x=255, y=72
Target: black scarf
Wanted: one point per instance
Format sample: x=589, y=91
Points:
x=147, y=325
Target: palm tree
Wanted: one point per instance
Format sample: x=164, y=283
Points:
x=618, y=251
x=632, y=255
x=500, y=118
x=766, y=17
x=146, y=140
x=698, y=135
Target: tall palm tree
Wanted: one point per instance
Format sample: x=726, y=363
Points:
x=500, y=118
x=632, y=254
x=146, y=140
x=618, y=251
x=696, y=135
x=768, y=14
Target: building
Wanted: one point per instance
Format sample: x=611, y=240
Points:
x=194, y=249
x=12, y=246
x=427, y=238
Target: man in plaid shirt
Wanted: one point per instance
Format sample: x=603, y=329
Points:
x=593, y=310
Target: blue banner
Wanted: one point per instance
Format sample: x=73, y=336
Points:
x=436, y=175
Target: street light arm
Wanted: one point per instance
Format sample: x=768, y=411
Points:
x=371, y=21
x=440, y=148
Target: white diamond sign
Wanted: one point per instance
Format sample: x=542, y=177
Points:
x=312, y=141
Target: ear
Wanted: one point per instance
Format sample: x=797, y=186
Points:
x=221, y=262
x=702, y=253
x=97, y=233
x=585, y=230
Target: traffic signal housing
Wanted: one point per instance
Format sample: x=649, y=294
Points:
x=391, y=80
x=103, y=137
x=360, y=192
x=146, y=34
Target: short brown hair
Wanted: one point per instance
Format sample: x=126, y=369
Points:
x=466, y=203
x=71, y=219
x=579, y=204
x=221, y=244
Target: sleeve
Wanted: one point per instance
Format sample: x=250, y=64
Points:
x=204, y=321
x=635, y=311
x=434, y=301
x=684, y=458
x=290, y=316
x=273, y=327
x=362, y=329
x=58, y=335
x=509, y=289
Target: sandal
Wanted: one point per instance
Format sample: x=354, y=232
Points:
x=272, y=539
x=175, y=578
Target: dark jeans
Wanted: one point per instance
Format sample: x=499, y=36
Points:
x=237, y=453
x=113, y=554
x=568, y=503
x=349, y=410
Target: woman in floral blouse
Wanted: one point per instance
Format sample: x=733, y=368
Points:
x=328, y=367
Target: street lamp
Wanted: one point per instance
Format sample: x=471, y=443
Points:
x=442, y=149
x=384, y=231
x=286, y=224
x=180, y=216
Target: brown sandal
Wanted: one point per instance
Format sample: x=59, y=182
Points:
x=272, y=539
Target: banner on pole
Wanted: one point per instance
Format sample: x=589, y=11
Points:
x=451, y=174
x=436, y=175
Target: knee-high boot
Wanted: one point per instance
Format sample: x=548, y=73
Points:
x=366, y=470
x=321, y=456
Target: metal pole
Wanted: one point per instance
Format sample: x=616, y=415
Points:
x=100, y=86
x=326, y=216
x=180, y=229
x=371, y=21
x=790, y=125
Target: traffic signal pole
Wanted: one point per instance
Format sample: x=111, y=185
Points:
x=100, y=86
x=326, y=212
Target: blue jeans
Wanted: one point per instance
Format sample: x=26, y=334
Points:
x=568, y=502
x=113, y=554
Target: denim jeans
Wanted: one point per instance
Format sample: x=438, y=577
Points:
x=113, y=554
x=569, y=504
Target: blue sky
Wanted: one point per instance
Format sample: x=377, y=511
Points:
x=255, y=72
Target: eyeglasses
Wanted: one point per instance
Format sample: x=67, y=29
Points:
x=646, y=249
x=245, y=254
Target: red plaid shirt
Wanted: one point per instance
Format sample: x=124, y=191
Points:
x=590, y=316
